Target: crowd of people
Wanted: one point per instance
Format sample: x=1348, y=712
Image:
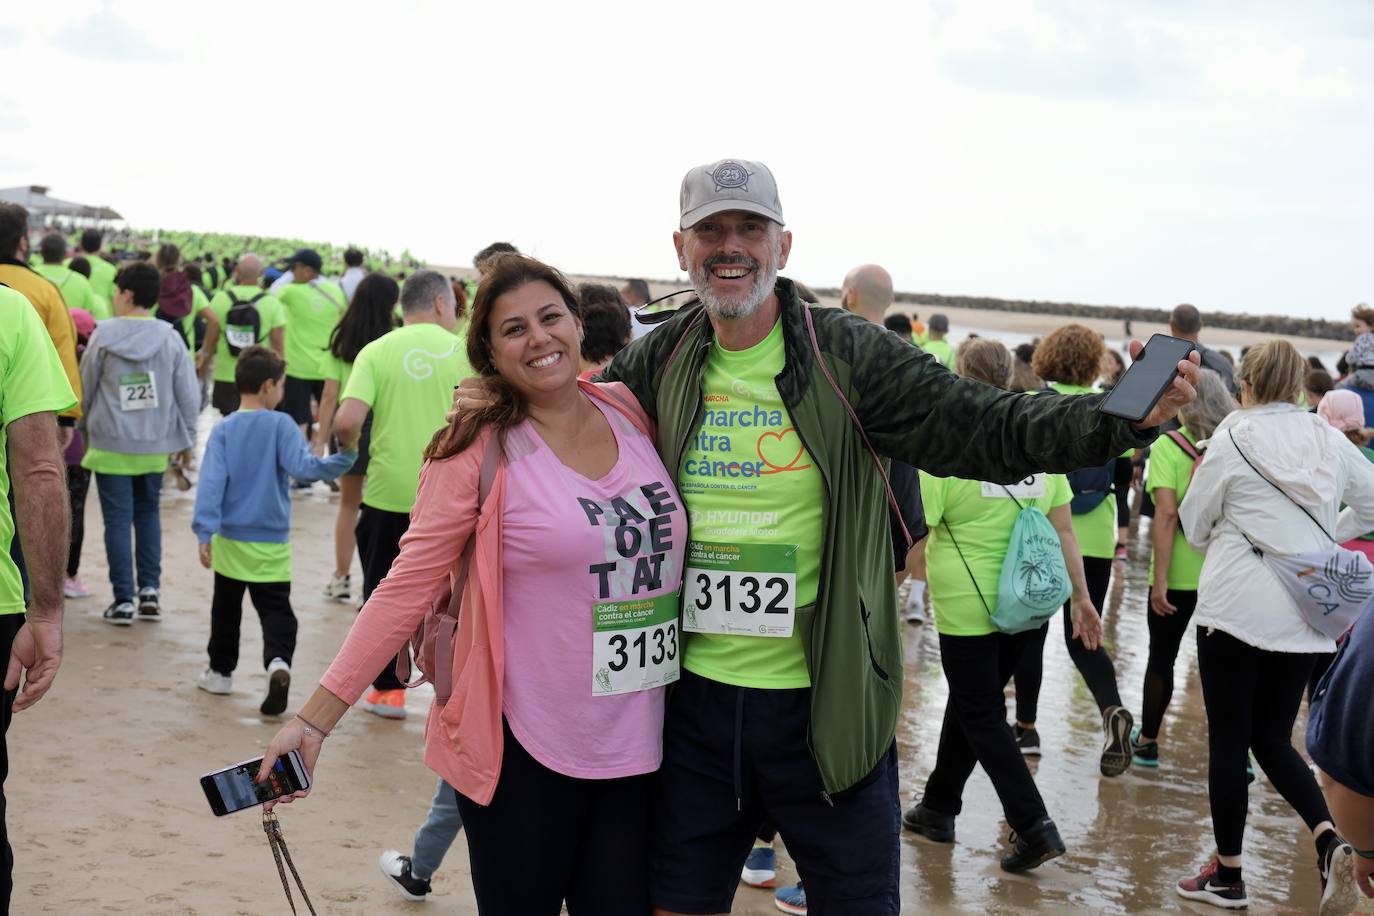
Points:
x=737, y=489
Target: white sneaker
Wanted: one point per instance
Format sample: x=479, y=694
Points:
x=915, y=609
x=339, y=588
x=278, y=686
x=214, y=682
x=73, y=587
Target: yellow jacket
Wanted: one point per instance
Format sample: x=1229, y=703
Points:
x=46, y=299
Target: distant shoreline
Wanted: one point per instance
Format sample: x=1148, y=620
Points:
x=1024, y=324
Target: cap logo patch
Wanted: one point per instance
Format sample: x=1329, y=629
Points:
x=730, y=174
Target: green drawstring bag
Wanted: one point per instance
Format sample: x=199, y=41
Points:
x=1034, y=583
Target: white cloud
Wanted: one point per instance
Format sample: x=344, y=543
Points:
x=1067, y=150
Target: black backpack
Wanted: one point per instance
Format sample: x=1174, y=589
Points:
x=242, y=317
x=1091, y=487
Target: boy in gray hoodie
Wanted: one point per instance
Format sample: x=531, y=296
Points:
x=141, y=400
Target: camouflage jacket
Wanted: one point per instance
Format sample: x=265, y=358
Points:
x=913, y=410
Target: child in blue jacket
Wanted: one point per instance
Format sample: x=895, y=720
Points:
x=243, y=522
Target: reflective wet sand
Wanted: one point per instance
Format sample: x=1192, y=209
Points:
x=106, y=814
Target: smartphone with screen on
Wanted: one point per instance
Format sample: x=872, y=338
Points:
x=233, y=788
x=1139, y=390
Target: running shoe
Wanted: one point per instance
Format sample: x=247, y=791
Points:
x=1120, y=553
x=211, y=681
x=914, y=611
x=761, y=868
x=73, y=587
x=791, y=900
x=1206, y=888
x=120, y=613
x=1250, y=771
x=389, y=704
x=1033, y=848
x=149, y=604
x=278, y=685
x=396, y=867
x=339, y=588
x=1339, y=894
x=1144, y=753
x=1116, y=749
x=1028, y=740
x=934, y=826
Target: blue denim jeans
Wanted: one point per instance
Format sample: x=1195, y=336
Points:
x=131, y=503
x=437, y=833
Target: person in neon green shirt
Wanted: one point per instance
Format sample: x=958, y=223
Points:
x=33, y=388
x=245, y=288
x=406, y=379
x=75, y=289
x=934, y=342
x=1175, y=566
x=367, y=319
x=102, y=271
x=1069, y=360
x=746, y=438
x=313, y=308
x=100, y=307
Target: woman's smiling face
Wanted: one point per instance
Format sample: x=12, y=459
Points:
x=536, y=340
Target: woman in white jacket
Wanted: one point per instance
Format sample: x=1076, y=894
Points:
x=1255, y=649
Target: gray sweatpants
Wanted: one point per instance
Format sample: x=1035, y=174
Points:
x=437, y=833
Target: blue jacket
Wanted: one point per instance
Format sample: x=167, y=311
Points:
x=242, y=492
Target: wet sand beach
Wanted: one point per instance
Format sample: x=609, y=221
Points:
x=106, y=814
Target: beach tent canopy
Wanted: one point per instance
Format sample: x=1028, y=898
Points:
x=36, y=200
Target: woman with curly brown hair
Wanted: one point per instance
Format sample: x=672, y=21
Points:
x=1069, y=360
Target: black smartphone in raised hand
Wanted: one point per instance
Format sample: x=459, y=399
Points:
x=235, y=788
x=1139, y=390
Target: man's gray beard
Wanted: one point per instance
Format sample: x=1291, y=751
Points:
x=734, y=309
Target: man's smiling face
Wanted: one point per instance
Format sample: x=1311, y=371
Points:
x=733, y=259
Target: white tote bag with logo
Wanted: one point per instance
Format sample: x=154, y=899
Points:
x=1331, y=587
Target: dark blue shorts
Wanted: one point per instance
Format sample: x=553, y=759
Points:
x=734, y=757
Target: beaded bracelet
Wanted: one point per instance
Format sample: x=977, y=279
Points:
x=309, y=727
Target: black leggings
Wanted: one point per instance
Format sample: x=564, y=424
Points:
x=1094, y=665
x=1121, y=487
x=1166, y=635
x=78, y=485
x=379, y=535
x=1252, y=699
x=546, y=838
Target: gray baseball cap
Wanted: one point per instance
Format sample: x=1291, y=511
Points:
x=730, y=184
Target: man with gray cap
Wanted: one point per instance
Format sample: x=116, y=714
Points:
x=313, y=307
x=789, y=606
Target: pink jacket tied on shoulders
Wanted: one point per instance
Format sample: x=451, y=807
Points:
x=463, y=739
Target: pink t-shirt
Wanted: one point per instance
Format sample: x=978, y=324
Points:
x=568, y=547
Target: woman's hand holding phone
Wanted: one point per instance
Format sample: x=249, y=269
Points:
x=291, y=737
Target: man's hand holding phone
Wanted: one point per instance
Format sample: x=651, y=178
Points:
x=1182, y=390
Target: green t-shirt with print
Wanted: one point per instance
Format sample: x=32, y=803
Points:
x=312, y=311
x=250, y=561
x=941, y=350
x=407, y=377
x=1172, y=469
x=32, y=381
x=76, y=289
x=271, y=315
x=1095, y=530
x=748, y=480
x=981, y=517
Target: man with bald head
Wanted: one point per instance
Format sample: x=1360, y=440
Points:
x=867, y=292
x=247, y=315
x=1185, y=321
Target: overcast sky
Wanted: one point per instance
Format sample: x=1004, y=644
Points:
x=1148, y=154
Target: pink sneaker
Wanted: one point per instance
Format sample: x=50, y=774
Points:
x=73, y=587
